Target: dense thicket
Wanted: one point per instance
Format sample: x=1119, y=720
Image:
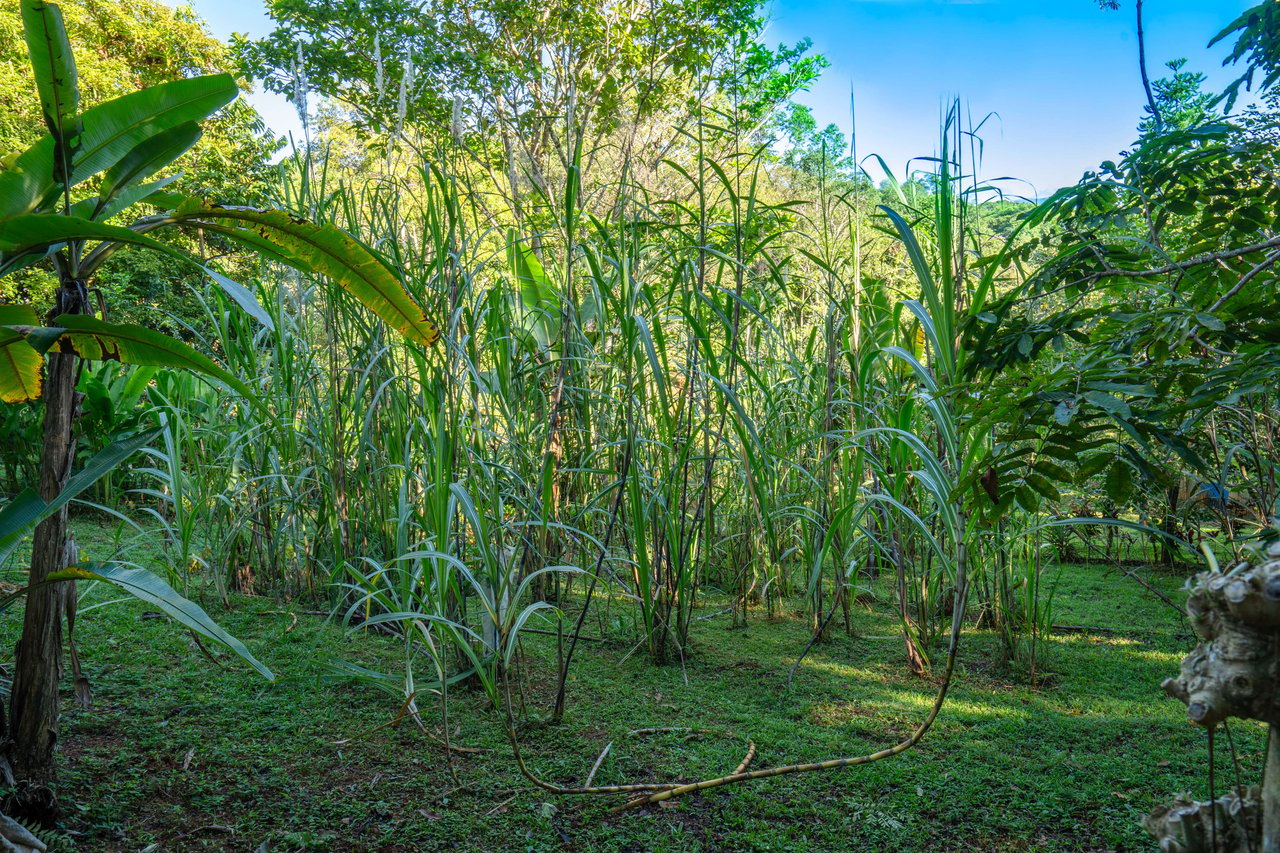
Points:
x=690, y=350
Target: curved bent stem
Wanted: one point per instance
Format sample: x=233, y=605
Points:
x=657, y=792
x=834, y=763
x=560, y=789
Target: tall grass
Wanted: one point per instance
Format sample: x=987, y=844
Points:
x=716, y=394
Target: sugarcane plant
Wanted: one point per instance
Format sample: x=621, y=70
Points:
x=59, y=202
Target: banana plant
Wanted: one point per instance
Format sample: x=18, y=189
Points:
x=60, y=204
x=29, y=509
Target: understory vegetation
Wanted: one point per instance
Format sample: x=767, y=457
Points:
x=181, y=753
x=601, y=405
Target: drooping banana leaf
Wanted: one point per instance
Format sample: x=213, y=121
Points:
x=323, y=250
x=149, y=588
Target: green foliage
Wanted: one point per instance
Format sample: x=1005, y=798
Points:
x=111, y=131
x=120, y=49
x=1257, y=46
x=690, y=354
x=94, y=340
x=1181, y=99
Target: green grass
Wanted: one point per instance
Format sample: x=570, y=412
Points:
x=181, y=753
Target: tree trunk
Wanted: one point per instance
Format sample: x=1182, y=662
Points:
x=1170, y=525
x=33, y=717
x=1231, y=673
x=1271, y=794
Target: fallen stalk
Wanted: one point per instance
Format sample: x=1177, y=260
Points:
x=604, y=753
x=744, y=775
x=588, y=788
x=650, y=793
x=550, y=786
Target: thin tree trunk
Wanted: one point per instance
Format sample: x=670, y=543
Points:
x=1142, y=68
x=38, y=659
x=1271, y=795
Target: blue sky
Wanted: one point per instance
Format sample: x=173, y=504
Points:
x=1059, y=76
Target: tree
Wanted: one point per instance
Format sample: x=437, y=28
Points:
x=520, y=90
x=813, y=153
x=1257, y=34
x=1181, y=100
x=49, y=214
x=1161, y=270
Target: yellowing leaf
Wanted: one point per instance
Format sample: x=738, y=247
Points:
x=93, y=339
x=21, y=378
x=324, y=250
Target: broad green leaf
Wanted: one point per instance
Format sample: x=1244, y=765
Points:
x=242, y=297
x=93, y=208
x=1211, y=322
x=55, y=71
x=145, y=159
x=1130, y=388
x=114, y=128
x=1108, y=403
x=37, y=232
x=1119, y=483
x=264, y=248
x=323, y=250
x=1044, y=487
x=1092, y=466
x=20, y=374
x=1053, y=471
x=93, y=339
x=109, y=132
x=1027, y=499
x=151, y=589
x=29, y=509
x=19, y=515
x=538, y=299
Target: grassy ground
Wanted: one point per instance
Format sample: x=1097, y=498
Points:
x=178, y=753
